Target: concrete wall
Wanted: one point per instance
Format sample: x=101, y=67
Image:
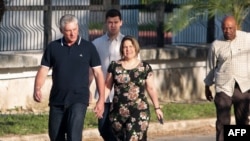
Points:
x=179, y=73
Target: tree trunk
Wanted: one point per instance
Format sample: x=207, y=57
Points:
x=47, y=23
x=160, y=23
x=211, y=30
x=2, y=9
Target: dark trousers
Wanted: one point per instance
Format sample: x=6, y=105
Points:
x=104, y=125
x=66, y=123
x=223, y=104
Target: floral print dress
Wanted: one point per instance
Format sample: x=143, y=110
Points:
x=129, y=113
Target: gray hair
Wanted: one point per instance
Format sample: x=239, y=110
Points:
x=68, y=18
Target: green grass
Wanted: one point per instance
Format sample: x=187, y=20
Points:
x=185, y=111
x=96, y=26
x=23, y=124
x=147, y=27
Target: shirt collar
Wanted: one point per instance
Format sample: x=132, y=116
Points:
x=63, y=42
x=117, y=38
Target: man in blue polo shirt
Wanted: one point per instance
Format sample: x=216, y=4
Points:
x=69, y=58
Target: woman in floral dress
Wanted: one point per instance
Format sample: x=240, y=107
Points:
x=130, y=76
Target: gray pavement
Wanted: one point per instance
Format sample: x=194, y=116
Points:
x=170, y=131
x=209, y=137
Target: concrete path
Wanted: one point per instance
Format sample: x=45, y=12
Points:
x=184, y=127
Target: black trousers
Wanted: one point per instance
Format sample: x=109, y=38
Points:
x=223, y=103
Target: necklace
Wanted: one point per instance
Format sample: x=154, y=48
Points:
x=130, y=64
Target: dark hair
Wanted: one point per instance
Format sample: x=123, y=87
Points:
x=113, y=13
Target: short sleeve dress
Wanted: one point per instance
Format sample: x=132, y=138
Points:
x=130, y=113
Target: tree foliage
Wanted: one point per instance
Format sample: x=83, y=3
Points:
x=186, y=15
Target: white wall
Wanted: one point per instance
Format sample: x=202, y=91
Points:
x=179, y=74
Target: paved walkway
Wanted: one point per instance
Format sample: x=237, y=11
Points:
x=155, y=129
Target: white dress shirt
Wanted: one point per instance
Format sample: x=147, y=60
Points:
x=109, y=50
x=229, y=62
